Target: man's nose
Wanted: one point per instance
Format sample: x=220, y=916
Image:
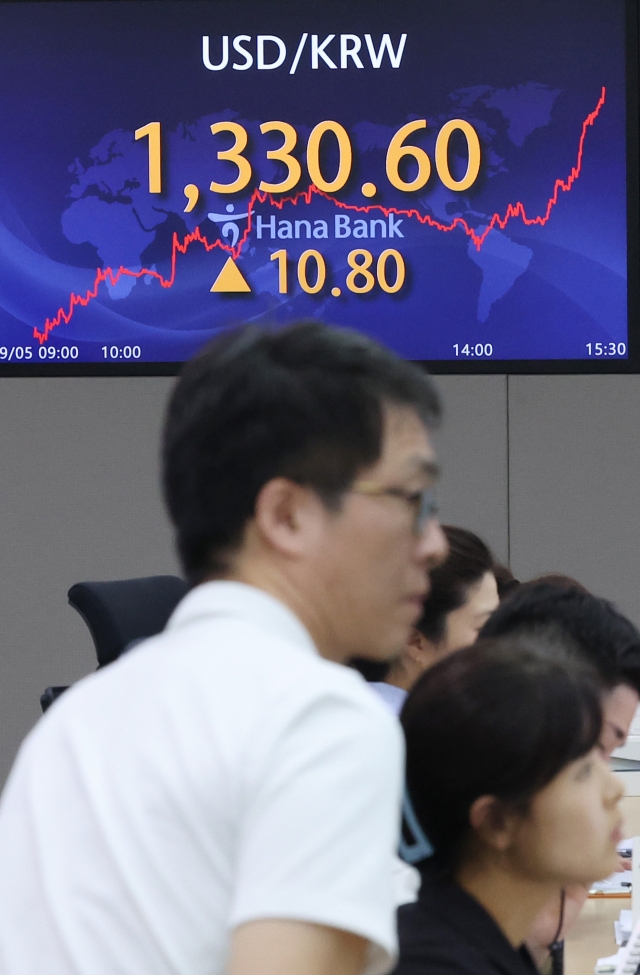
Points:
x=433, y=546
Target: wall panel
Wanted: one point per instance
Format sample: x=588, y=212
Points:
x=575, y=481
x=79, y=500
x=472, y=448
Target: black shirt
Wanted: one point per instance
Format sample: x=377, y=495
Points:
x=447, y=932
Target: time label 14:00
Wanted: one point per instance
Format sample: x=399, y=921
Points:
x=397, y=151
x=473, y=350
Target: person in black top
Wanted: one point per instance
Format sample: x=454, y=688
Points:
x=506, y=779
x=560, y=612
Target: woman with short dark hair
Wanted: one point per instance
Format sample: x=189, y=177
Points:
x=467, y=571
x=506, y=779
x=462, y=595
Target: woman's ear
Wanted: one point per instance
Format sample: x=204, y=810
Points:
x=493, y=822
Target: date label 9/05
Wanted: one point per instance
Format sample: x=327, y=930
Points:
x=483, y=350
x=25, y=353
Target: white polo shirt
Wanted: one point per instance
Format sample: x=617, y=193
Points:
x=220, y=773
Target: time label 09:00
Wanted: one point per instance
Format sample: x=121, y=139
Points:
x=24, y=353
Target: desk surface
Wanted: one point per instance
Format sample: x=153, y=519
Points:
x=592, y=936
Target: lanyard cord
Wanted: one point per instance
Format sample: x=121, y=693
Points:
x=556, y=948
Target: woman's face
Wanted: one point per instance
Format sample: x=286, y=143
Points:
x=570, y=832
x=463, y=624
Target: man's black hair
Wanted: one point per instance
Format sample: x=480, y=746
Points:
x=467, y=562
x=505, y=580
x=305, y=402
x=500, y=718
x=583, y=624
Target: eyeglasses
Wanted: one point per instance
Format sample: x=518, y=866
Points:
x=423, y=504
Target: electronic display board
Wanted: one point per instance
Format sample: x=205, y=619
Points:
x=456, y=178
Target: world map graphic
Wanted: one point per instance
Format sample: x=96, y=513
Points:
x=112, y=210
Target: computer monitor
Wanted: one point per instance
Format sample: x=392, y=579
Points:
x=456, y=178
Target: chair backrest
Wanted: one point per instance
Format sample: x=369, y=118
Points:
x=130, y=609
x=50, y=695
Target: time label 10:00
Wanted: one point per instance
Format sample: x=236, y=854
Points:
x=397, y=151
x=121, y=352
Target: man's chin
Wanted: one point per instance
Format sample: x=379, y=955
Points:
x=388, y=652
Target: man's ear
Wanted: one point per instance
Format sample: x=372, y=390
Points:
x=416, y=640
x=493, y=822
x=420, y=651
x=287, y=516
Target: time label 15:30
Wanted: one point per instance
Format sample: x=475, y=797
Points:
x=606, y=348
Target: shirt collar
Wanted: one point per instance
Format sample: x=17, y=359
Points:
x=462, y=912
x=237, y=599
x=394, y=697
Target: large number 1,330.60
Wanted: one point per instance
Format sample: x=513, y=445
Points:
x=396, y=152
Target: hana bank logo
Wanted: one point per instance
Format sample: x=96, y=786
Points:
x=229, y=230
x=268, y=52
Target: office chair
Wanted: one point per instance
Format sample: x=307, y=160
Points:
x=120, y=613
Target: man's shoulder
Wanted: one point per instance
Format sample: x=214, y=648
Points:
x=266, y=648
x=231, y=672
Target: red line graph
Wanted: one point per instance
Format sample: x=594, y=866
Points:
x=513, y=211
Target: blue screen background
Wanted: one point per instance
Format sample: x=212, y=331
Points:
x=77, y=79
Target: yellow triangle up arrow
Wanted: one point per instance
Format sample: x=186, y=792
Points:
x=230, y=278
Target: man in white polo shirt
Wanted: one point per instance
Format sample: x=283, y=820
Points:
x=224, y=798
